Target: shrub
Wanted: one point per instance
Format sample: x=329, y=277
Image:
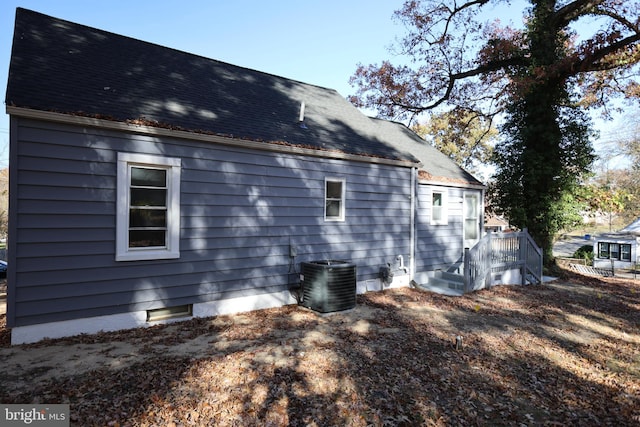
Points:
x=585, y=252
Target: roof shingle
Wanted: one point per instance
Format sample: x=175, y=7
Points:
x=69, y=68
x=436, y=166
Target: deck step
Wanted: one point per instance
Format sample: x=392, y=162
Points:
x=449, y=277
x=444, y=283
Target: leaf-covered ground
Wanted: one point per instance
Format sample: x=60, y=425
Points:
x=563, y=353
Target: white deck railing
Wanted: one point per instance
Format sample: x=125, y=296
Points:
x=497, y=252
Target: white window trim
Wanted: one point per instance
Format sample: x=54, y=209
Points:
x=343, y=203
x=445, y=206
x=173, y=166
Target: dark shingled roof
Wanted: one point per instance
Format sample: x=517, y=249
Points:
x=436, y=166
x=69, y=68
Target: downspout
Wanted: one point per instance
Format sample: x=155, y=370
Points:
x=412, y=216
x=482, y=194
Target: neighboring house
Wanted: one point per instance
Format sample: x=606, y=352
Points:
x=619, y=249
x=148, y=183
x=495, y=224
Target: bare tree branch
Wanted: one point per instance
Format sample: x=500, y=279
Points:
x=574, y=10
x=593, y=62
x=456, y=72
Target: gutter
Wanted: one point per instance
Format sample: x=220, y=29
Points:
x=451, y=183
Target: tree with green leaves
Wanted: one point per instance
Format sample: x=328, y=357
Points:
x=607, y=199
x=570, y=55
x=466, y=138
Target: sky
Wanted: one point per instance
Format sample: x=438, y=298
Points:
x=317, y=42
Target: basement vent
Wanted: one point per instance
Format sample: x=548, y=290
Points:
x=328, y=286
x=170, y=312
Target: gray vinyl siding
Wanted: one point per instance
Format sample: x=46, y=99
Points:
x=240, y=211
x=438, y=247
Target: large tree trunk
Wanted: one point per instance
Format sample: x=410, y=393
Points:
x=542, y=166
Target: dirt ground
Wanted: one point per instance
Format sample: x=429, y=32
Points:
x=563, y=353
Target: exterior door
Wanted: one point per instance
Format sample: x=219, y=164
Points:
x=471, y=215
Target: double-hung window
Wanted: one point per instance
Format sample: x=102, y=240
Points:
x=614, y=251
x=148, y=207
x=603, y=250
x=439, y=214
x=334, y=198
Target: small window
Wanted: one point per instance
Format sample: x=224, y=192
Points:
x=614, y=251
x=439, y=214
x=148, y=219
x=334, y=199
x=625, y=252
x=603, y=250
